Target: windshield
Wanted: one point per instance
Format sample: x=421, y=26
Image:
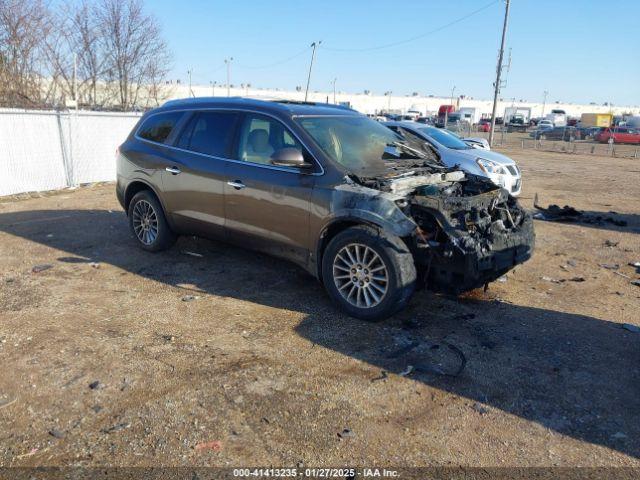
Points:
x=445, y=138
x=357, y=143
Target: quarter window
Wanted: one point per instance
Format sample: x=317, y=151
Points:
x=157, y=128
x=210, y=133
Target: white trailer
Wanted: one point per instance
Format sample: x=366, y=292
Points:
x=517, y=112
x=470, y=115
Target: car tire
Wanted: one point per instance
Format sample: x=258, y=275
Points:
x=355, y=290
x=148, y=223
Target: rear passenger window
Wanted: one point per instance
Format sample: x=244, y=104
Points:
x=158, y=127
x=210, y=133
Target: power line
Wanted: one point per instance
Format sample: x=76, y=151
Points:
x=279, y=62
x=417, y=37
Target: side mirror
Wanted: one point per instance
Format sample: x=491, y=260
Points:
x=289, y=157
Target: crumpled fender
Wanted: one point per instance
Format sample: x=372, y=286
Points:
x=355, y=202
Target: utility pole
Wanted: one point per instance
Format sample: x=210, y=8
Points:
x=496, y=91
x=314, y=45
x=190, y=90
x=228, y=62
x=213, y=88
x=544, y=102
x=334, y=90
x=446, y=112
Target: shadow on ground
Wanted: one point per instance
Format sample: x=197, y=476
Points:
x=574, y=374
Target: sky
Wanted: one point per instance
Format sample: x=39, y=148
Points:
x=580, y=51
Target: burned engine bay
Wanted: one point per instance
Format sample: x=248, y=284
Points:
x=468, y=232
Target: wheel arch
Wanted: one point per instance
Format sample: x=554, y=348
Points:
x=137, y=186
x=340, y=224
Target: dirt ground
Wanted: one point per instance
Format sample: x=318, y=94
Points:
x=115, y=356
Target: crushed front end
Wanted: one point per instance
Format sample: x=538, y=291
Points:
x=469, y=231
x=469, y=234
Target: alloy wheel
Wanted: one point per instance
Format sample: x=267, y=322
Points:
x=145, y=222
x=360, y=275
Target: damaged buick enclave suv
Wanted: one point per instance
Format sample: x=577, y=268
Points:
x=325, y=187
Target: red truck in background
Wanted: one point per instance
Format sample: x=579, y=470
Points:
x=619, y=135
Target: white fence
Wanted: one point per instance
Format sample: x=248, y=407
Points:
x=47, y=150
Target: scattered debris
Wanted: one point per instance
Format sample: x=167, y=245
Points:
x=549, y=279
x=635, y=282
x=96, y=385
x=189, y=298
x=346, y=433
x=94, y=264
x=571, y=263
x=631, y=328
x=168, y=338
x=609, y=266
x=33, y=451
x=265, y=420
x=96, y=408
x=383, y=376
x=54, y=432
x=610, y=243
x=116, y=428
x=623, y=275
x=214, y=446
x=503, y=279
x=6, y=403
x=555, y=213
x=481, y=409
x=563, y=280
x=636, y=265
x=193, y=254
x=407, y=371
x=436, y=368
x=41, y=268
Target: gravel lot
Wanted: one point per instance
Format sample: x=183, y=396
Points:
x=115, y=356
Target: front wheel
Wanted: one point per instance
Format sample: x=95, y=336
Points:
x=148, y=223
x=369, y=274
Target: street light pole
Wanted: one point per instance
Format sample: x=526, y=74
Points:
x=496, y=90
x=314, y=45
x=334, y=90
x=544, y=102
x=446, y=112
x=228, y=62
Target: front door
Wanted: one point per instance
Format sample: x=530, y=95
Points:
x=194, y=182
x=267, y=207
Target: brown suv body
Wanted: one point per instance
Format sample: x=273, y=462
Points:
x=457, y=240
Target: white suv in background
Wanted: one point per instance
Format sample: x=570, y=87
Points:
x=453, y=151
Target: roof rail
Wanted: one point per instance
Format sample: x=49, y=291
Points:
x=313, y=104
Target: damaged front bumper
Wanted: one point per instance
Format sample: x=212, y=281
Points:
x=465, y=242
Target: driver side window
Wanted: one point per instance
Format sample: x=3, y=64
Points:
x=261, y=137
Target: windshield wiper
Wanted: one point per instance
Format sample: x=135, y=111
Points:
x=416, y=152
x=408, y=148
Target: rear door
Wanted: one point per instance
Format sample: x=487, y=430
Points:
x=194, y=181
x=267, y=207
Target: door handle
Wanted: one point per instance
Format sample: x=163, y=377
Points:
x=173, y=170
x=237, y=184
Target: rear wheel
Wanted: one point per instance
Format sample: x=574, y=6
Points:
x=369, y=274
x=148, y=223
